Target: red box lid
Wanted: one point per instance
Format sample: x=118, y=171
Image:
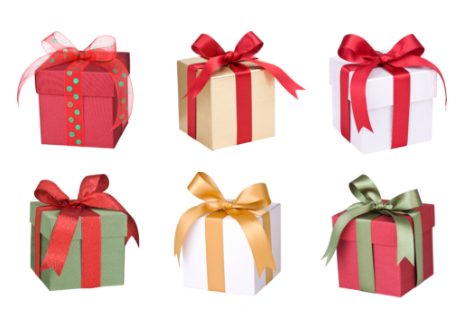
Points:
x=97, y=82
x=383, y=228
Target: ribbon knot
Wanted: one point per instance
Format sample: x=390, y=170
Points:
x=75, y=203
x=382, y=206
x=227, y=205
x=249, y=205
x=385, y=58
x=232, y=57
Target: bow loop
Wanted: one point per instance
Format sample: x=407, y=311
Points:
x=255, y=197
x=407, y=200
x=364, y=189
x=93, y=184
x=57, y=42
x=49, y=193
x=203, y=187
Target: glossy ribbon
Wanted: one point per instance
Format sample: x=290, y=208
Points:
x=248, y=46
x=406, y=53
x=371, y=205
x=91, y=195
x=102, y=51
x=244, y=210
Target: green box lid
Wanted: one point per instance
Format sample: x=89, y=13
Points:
x=113, y=223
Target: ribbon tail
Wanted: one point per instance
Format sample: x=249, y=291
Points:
x=419, y=244
x=405, y=238
x=132, y=230
x=61, y=239
x=414, y=60
x=212, y=65
x=358, y=96
x=339, y=226
x=258, y=241
x=283, y=78
x=185, y=222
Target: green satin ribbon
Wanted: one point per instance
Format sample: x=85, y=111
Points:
x=370, y=207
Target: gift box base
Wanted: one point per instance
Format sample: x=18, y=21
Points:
x=390, y=279
x=112, y=264
x=420, y=127
x=99, y=116
x=240, y=272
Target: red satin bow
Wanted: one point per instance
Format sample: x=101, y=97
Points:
x=406, y=53
x=248, y=46
x=91, y=195
x=102, y=51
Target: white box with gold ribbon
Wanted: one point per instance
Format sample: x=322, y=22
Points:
x=237, y=273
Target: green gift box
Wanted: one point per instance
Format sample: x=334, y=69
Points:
x=114, y=229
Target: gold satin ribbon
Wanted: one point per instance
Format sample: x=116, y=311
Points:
x=244, y=210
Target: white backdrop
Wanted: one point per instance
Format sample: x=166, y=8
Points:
x=307, y=166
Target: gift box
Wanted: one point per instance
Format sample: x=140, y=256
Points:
x=76, y=243
x=216, y=113
x=383, y=246
x=391, y=279
x=85, y=97
x=100, y=105
x=113, y=233
x=392, y=104
x=234, y=247
x=228, y=98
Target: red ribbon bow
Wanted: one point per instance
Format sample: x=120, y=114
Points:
x=91, y=195
x=248, y=46
x=102, y=51
x=406, y=53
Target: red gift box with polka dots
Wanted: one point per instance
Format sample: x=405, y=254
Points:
x=100, y=106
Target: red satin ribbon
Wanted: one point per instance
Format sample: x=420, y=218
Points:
x=407, y=52
x=102, y=51
x=91, y=195
x=248, y=46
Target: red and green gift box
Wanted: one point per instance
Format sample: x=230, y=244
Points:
x=383, y=246
x=79, y=243
x=85, y=97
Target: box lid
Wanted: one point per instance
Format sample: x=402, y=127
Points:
x=380, y=83
x=97, y=82
x=383, y=228
x=113, y=223
x=221, y=72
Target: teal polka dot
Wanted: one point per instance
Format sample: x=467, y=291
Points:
x=69, y=88
x=66, y=50
x=51, y=60
x=77, y=68
x=95, y=48
x=102, y=40
x=125, y=121
x=71, y=134
x=128, y=91
x=77, y=127
x=70, y=104
x=77, y=112
x=127, y=108
x=109, y=46
x=71, y=119
x=76, y=96
x=121, y=83
x=76, y=80
x=64, y=41
x=78, y=142
x=124, y=75
x=123, y=100
x=117, y=64
x=54, y=40
x=69, y=73
x=115, y=70
x=122, y=116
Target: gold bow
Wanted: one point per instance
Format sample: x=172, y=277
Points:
x=244, y=210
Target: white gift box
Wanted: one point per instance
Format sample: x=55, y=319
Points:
x=379, y=98
x=240, y=272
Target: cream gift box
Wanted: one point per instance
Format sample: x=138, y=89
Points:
x=380, y=98
x=216, y=105
x=240, y=273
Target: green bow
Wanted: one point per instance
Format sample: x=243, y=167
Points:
x=370, y=207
